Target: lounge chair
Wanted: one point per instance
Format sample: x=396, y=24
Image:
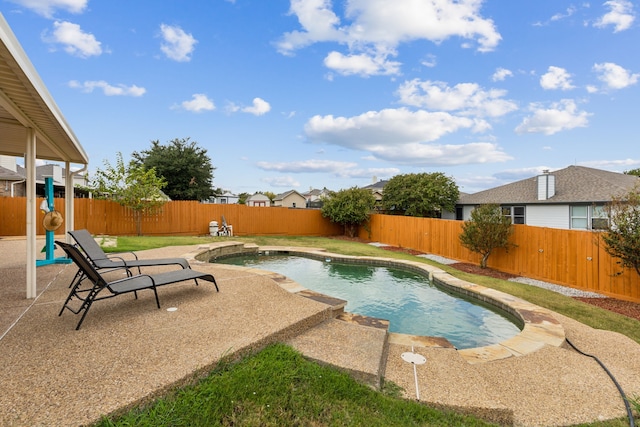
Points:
x=101, y=260
x=100, y=288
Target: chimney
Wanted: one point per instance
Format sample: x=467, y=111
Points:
x=546, y=185
x=374, y=180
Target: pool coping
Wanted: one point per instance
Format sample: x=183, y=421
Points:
x=539, y=326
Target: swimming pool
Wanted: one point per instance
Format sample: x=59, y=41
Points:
x=406, y=298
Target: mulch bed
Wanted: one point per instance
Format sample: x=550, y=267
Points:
x=626, y=308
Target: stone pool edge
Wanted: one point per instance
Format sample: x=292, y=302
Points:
x=540, y=327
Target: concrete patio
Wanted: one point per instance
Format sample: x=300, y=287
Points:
x=127, y=351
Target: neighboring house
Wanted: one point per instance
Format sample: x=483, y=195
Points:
x=227, y=199
x=12, y=184
x=571, y=198
x=290, y=199
x=377, y=188
x=258, y=199
x=13, y=179
x=315, y=196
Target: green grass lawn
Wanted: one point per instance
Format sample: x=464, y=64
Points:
x=277, y=386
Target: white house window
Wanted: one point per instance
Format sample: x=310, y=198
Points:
x=515, y=213
x=580, y=217
x=585, y=217
x=599, y=218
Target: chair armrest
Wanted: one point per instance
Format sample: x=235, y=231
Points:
x=119, y=254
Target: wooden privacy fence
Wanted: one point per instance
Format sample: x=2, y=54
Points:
x=174, y=218
x=568, y=257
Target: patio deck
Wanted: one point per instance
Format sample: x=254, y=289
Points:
x=128, y=351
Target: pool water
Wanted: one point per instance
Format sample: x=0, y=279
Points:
x=407, y=299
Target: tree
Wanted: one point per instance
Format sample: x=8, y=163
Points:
x=349, y=208
x=271, y=195
x=185, y=166
x=421, y=194
x=622, y=236
x=486, y=230
x=130, y=185
x=242, y=198
x=635, y=172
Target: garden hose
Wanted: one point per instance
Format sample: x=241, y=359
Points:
x=622, y=394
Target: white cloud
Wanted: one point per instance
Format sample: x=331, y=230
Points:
x=614, y=76
x=563, y=115
x=429, y=61
x=199, y=102
x=75, y=41
x=465, y=98
x=47, y=8
x=177, y=44
x=337, y=168
x=108, y=89
x=361, y=64
x=501, y=74
x=556, y=78
x=403, y=136
x=559, y=16
x=307, y=166
x=281, y=181
x=379, y=26
x=259, y=107
x=620, y=15
x=613, y=165
x=380, y=173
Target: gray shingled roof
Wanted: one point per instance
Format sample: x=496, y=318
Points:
x=9, y=175
x=379, y=185
x=574, y=184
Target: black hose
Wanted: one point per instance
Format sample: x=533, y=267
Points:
x=624, y=396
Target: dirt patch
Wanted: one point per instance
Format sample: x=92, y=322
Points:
x=626, y=308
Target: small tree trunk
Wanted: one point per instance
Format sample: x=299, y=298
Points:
x=483, y=261
x=138, y=217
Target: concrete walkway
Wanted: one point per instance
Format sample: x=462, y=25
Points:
x=128, y=351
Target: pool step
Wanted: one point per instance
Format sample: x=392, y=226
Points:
x=351, y=343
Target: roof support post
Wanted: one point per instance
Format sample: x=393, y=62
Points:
x=30, y=163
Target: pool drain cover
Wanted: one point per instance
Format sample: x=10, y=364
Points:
x=415, y=358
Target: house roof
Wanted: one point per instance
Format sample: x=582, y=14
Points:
x=9, y=175
x=574, y=184
x=26, y=103
x=286, y=194
x=377, y=185
x=260, y=196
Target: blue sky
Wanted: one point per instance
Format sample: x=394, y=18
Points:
x=318, y=93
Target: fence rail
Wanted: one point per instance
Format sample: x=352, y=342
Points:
x=572, y=258
x=174, y=218
x=568, y=257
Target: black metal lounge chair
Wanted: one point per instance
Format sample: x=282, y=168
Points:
x=94, y=291
x=101, y=260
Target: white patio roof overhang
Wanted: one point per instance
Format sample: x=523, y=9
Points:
x=32, y=125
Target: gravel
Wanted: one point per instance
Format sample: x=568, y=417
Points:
x=570, y=292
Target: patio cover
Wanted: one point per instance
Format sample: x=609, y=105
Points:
x=32, y=125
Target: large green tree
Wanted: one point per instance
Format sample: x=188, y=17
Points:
x=486, y=230
x=349, y=208
x=185, y=166
x=622, y=237
x=635, y=172
x=420, y=194
x=131, y=185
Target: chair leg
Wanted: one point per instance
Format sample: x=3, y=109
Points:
x=77, y=281
x=86, y=306
x=155, y=291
